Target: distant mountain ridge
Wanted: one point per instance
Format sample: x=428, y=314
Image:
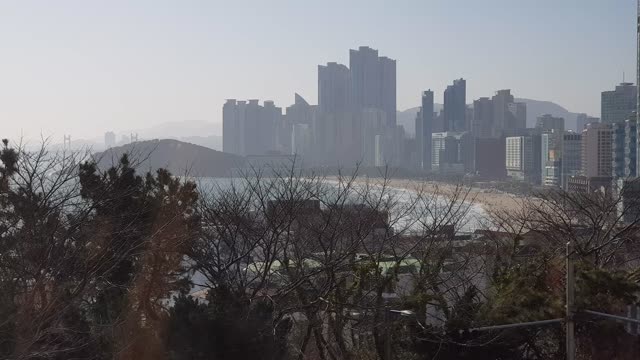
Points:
x=535, y=108
x=181, y=158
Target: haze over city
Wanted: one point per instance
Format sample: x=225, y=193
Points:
x=83, y=68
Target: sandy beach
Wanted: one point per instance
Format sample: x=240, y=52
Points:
x=490, y=200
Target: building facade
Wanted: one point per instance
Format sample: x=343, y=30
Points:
x=424, y=131
x=519, y=158
x=373, y=82
x=249, y=128
x=624, y=144
x=583, y=119
x=548, y=123
x=597, y=150
x=571, y=156
x=617, y=105
x=455, y=107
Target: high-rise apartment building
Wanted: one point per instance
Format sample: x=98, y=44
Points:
x=551, y=156
x=424, y=129
x=452, y=152
x=548, y=123
x=518, y=115
x=334, y=88
x=509, y=117
x=455, y=106
x=519, y=158
x=373, y=125
x=109, y=139
x=482, y=125
x=571, y=156
x=249, y=128
x=624, y=144
x=597, y=150
x=373, y=82
x=617, y=105
x=501, y=101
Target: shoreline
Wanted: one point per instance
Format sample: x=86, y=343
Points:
x=489, y=200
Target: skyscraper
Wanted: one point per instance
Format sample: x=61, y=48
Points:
x=624, y=149
x=109, y=139
x=426, y=129
x=373, y=82
x=482, y=118
x=455, y=106
x=571, y=156
x=518, y=115
x=617, y=105
x=334, y=88
x=501, y=113
x=249, y=128
x=597, y=150
x=520, y=158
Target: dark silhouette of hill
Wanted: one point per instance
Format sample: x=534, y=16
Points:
x=535, y=108
x=178, y=157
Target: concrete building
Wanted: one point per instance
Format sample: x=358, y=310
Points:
x=455, y=106
x=379, y=149
x=249, y=128
x=109, y=139
x=518, y=115
x=301, y=141
x=617, y=105
x=588, y=185
x=550, y=157
x=583, y=119
x=519, y=158
x=373, y=124
x=482, y=125
x=548, y=123
x=334, y=88
x=571, y=156
x=489, y=158
x=424, y=129
x=373, y=82
x=597, y=150
x=501, y=101
x=452, y=153
x=624, y=144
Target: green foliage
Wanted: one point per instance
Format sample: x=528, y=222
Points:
x=603, y=290
x=226, y=327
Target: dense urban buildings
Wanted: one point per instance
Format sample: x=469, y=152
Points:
x=354, y=123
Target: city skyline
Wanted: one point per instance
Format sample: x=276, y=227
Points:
x=135, y=46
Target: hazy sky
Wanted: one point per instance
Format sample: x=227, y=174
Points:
x=84, y=67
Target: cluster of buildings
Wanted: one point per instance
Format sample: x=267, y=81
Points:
x=599, y=155
x=354, y=122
